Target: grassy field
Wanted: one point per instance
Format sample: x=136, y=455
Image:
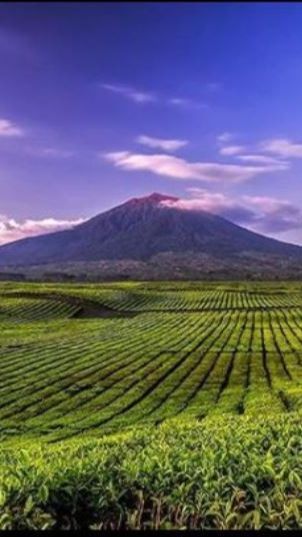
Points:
x=151, y=405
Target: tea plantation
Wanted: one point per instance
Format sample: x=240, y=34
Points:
x=151, y=405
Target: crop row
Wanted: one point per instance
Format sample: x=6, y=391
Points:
x=150, y=368
x=141, y=300
x=27, y=309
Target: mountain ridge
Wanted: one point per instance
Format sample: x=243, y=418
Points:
x=143, y=229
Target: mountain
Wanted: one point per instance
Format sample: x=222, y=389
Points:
x=152, y=231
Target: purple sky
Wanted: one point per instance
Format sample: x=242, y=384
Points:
x=100, y=103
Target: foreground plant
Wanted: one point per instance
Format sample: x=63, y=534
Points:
x=224, y=473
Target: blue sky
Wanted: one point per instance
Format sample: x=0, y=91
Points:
x=103, y=102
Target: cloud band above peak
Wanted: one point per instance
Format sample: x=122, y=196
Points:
x=181, y=169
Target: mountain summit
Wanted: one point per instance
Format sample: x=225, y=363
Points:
x=152, y=199
x=142, y=229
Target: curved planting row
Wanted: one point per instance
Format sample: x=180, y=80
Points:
x=32, y=309
x=192, y=354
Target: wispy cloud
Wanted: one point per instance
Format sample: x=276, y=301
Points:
x=261, y=159
x=55, y=152
x=161, y=143
x=12, y=230
x=178, y=168
x=259, y=213
x=10, y=129
x=49, y=152
x=178, y=102
x=231, y=150
x=143, y=97
x=185, y=103
x=275, y=215
x=135, y=95
x=216, y=203
x=282, y=147
x=225, y=137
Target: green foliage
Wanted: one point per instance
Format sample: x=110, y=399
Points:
x=224, y=473
x=184, y=412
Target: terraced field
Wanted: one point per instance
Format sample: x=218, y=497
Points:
x=99, y=358
x=151, y=405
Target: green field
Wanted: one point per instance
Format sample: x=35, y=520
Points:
x=151, y=405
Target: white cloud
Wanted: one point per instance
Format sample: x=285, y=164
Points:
x=12, y=230
x=131, y=93
x=231, y=149
x=215, y=203
x=202, y=200
x=178, y=168
x=9, y=129
x=161, y=143
x=143, y=97
x=258, y=213
x=261, y=159
x=268, y=204
x=282, y=147
x=274, y=215
x=225, y=137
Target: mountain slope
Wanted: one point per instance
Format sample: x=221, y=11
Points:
x=141, y=229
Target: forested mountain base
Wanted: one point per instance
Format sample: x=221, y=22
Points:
x=151, y=405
